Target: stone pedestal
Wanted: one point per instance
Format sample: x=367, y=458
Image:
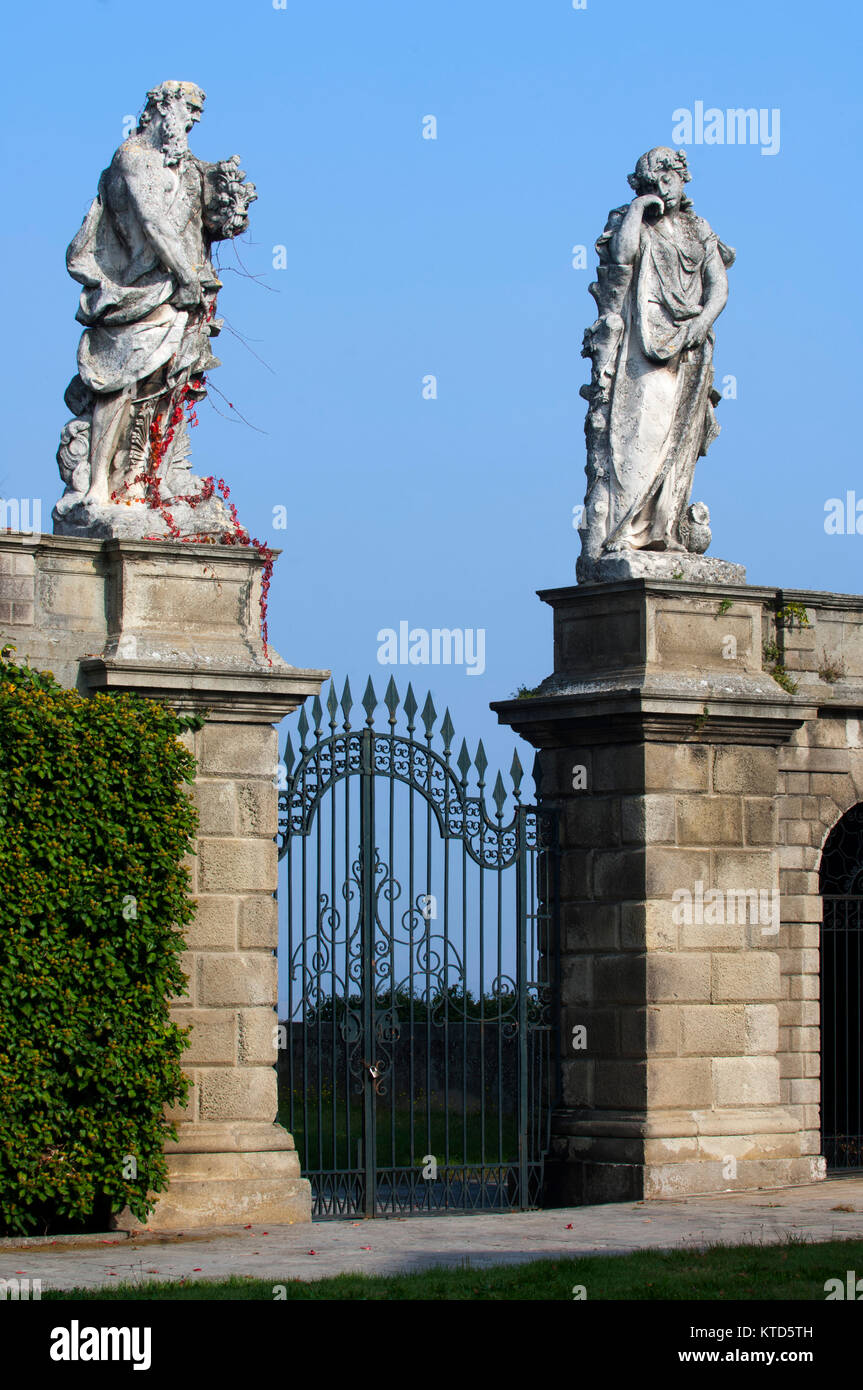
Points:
x=181, y=623
x=690, y=1046
x=654, y=564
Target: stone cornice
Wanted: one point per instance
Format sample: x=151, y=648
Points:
x=133, y=549
x=232, y=693
x=631, y=715
x=810, y=598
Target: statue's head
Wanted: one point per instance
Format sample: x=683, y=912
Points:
x=171, y=111
x=664, y=172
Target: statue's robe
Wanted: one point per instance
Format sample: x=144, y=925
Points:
x=661, y=416
x=131, y=328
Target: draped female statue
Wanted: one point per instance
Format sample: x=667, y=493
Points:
x=661, y=284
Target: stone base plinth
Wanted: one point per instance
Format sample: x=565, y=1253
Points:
x=211, y=1190
x=659, y=564
x=215, y=1181
x=134, y=520
x=616, y=1158
x=574, y=1182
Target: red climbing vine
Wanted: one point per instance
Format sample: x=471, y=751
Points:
x=158, y=443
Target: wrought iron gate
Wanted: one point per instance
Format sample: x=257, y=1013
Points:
x=841, y=882
x=417, y=1071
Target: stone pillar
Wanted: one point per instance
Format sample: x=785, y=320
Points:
x=660, y=734
x=181, y=623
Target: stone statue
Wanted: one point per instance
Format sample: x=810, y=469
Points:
x=661, y=286
x=148, y=305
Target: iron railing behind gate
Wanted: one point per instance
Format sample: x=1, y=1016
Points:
x=842, y=1032
x=841, y=885
x=417, y=1070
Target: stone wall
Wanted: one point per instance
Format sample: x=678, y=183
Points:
x=820, y=778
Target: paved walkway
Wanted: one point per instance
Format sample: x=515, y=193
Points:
x=821, y=1211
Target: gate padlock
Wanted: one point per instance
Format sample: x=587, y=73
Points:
x=374, y=1072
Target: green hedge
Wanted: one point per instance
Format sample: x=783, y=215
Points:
x=94, y=825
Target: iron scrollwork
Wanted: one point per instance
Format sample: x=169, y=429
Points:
x=380, y=988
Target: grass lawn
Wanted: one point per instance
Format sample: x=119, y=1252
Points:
x=792, y=1271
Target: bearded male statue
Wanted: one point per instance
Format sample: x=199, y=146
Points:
x=661, y=285
x=147, y=306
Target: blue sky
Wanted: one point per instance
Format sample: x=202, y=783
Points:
x=407, y=257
